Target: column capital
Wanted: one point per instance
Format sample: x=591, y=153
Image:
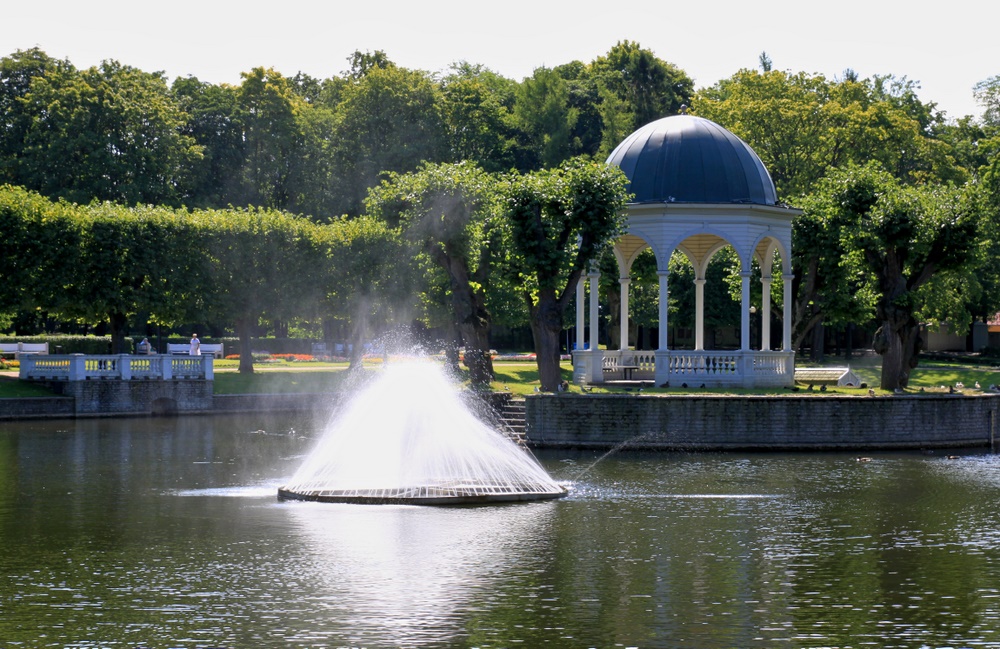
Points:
x=787, y=277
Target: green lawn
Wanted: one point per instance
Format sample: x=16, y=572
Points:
x=521, y=377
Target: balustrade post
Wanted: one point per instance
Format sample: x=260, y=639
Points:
x=167, y=367
x=208, y=367
x=77, y=367
x=125, y=367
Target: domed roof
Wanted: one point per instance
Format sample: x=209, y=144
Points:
x=690, y=159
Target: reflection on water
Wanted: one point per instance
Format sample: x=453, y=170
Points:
x=168, y=533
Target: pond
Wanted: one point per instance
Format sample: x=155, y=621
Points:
x=168, y=533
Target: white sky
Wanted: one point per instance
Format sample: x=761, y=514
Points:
x=947, y=47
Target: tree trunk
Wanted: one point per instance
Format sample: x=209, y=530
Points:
x=818, y=342
x=546, y=325
x=244, y=329
x=472, y=319
x=477, y=354
x=899, y=343
x=357, y=343
x=119, y=327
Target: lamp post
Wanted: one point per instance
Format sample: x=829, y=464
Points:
x=753, y=320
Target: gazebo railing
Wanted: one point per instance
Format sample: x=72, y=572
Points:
x=712, y=367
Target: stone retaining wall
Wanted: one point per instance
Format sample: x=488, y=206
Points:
x=761, y=422
x=137, y=397
x=36, y=407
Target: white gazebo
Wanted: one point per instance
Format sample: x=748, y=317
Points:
x=698, y=188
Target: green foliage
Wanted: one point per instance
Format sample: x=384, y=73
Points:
x=110, y=132
x=647, y=87
x=899, y=239
x=804, y=125
x=65, y=344
x=559, y=220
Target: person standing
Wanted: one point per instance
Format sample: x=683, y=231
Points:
x=195, y=346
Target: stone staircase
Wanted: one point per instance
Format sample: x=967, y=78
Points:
x=512, y=419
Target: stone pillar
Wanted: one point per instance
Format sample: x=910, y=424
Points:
x=786, y=323
x=580, y=323
x=167, y=368
x=664, y=340
x=765, y=314
x=699, y=315
x=208, y=366
x=623, y=315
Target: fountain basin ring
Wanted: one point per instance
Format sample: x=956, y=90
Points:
x=441, y=496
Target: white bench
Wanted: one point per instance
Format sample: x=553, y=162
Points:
x=17, y=349
x=215, y=349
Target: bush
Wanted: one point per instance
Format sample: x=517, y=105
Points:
x=62, y=344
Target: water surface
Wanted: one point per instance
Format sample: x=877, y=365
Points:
x=167, y=533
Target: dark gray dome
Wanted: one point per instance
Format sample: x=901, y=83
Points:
x=690, y=159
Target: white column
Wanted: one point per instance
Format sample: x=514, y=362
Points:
x=745, y=310
x=664, y=309
x=580, y=321
x=623, y=315
x=593, y=309
x=786, y=323
x=699, y=315
x=765, y=315
x=594, y=356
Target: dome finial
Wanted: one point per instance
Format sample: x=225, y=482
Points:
x=684, y=109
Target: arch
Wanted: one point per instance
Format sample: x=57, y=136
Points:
x=626, y=250
x=164, y=407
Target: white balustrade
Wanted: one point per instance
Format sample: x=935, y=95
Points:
x=122, y=367
x=734, y=368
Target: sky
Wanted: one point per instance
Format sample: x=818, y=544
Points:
x=946, y=47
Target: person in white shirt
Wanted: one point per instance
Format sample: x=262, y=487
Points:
x=195, y=346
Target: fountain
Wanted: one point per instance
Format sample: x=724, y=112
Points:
x=408, y=438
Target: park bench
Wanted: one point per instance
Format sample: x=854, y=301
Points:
x=183, y=349
x=16, y=350
x=842, y=376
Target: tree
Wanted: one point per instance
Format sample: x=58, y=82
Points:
x=16, y=74
x=41, y=239
x=803, y=125
x=648, y=87
x=388, y=120
x=987, y=93
x=106, y=133
x=449, y=212
x=214, y=122
x=902, y=238
x=476, y=108
x=263, y=265
x=559, y=220
x=544, y=115
x=366, y=278
x=269, y=115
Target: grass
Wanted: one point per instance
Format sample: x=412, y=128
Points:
x=13, y=388
x=521, y=378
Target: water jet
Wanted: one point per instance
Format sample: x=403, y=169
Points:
x=408, y=438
